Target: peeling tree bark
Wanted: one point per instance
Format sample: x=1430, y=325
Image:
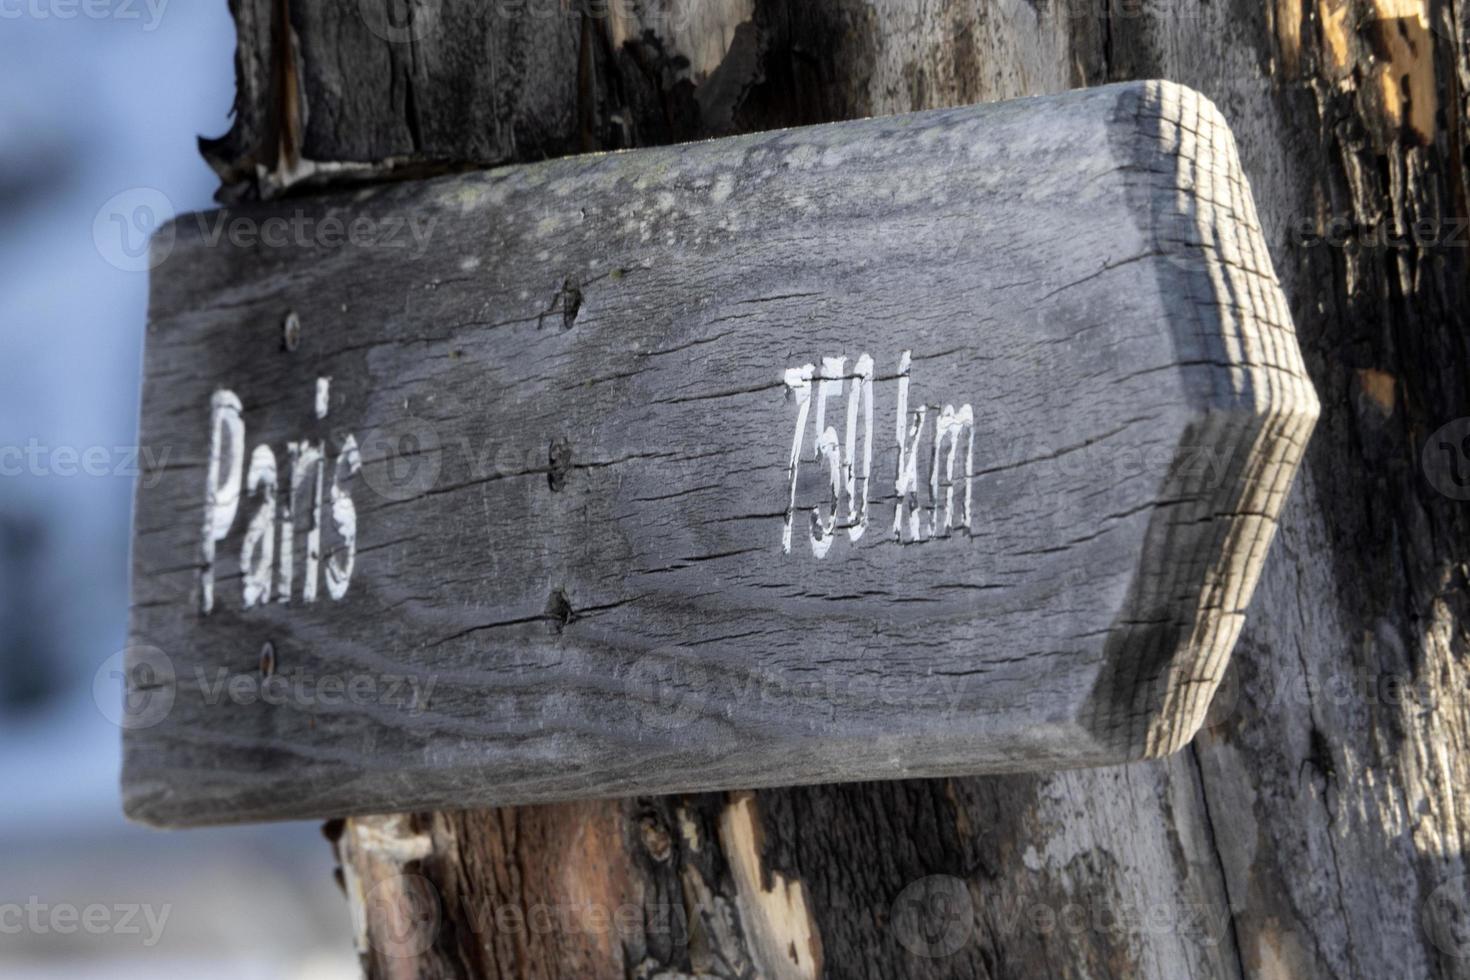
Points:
x=1315, y=829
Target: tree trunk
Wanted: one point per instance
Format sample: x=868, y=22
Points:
x=1313, y=830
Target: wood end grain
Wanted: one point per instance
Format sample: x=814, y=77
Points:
x=1255, y=410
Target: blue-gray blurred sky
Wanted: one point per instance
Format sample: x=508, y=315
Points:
x=100, y=98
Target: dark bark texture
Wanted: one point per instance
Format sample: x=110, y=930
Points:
x=1316, y=829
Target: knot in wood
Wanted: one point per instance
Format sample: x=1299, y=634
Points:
x=656, y=839
x=559, y=459
x=559, y=610
x=291, y=332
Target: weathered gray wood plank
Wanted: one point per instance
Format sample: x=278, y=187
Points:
x=575, y=387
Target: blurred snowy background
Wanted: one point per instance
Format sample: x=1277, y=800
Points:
x=99, y=98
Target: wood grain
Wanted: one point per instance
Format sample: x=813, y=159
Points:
x=571, y=400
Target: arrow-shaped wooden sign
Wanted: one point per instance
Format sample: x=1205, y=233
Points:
x=935, y=444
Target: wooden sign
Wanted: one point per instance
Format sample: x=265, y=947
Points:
x=936, y=444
